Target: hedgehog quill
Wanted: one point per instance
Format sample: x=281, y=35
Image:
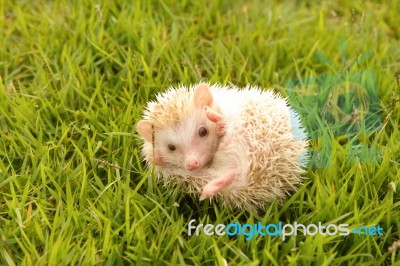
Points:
x=242, y=147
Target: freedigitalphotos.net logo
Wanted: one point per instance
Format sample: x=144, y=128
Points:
x=280, y=230
x=344, y=105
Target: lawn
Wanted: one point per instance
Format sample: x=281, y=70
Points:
x=76, y=75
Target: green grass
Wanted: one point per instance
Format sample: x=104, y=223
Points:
x=75, y=76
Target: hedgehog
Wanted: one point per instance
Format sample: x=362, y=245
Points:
x=240, y=147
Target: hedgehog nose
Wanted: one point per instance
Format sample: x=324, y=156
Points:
x=192, y=165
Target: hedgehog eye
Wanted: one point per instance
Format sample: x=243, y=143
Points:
x=171, y=147
x=203, y=132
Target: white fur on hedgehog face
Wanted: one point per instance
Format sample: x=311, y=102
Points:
x=188, y=145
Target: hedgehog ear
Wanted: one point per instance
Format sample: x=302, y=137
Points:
x=145, y=130
x=202, y=95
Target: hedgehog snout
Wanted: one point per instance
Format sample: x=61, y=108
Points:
x=192, y=164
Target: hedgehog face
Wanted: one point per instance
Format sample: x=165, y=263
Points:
x=190, y=144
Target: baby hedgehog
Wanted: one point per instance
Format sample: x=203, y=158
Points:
x=242, y=147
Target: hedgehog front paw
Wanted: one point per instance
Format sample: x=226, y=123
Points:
x=217, y=185
x=217, y=118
